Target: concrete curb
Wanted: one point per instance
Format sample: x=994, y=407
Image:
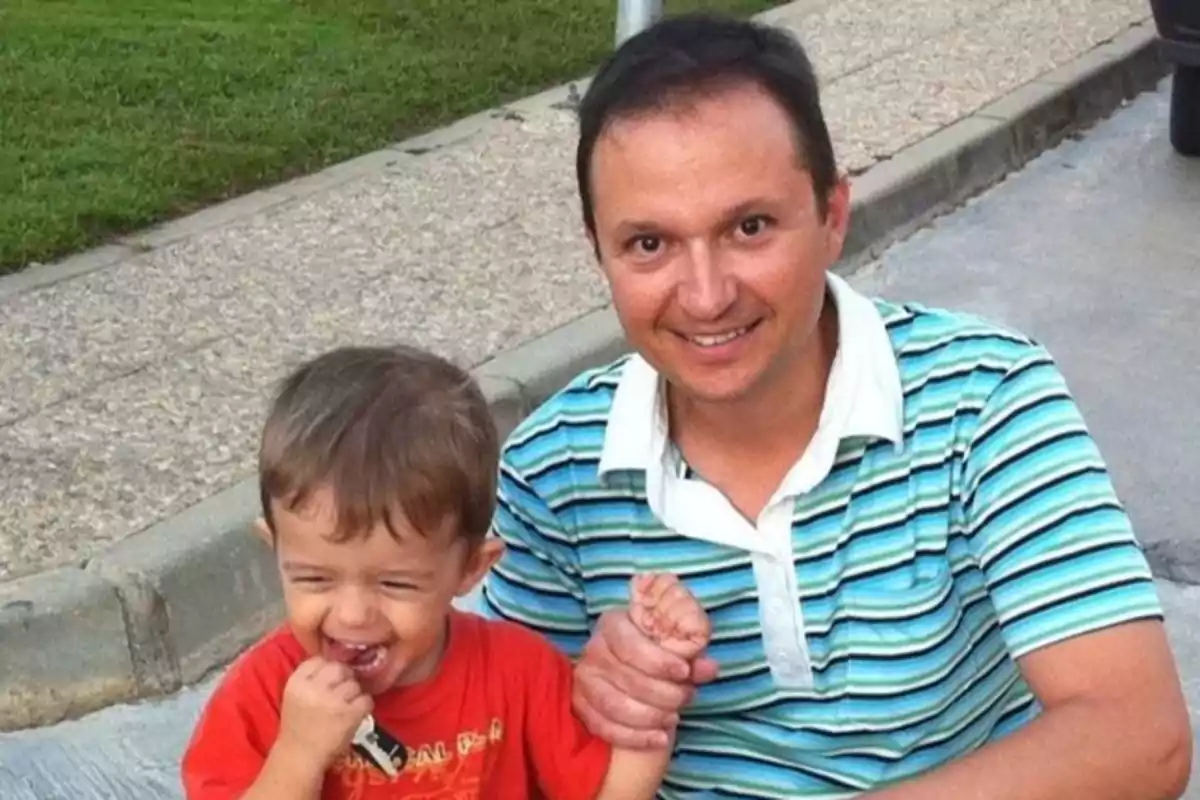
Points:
x=164, y=607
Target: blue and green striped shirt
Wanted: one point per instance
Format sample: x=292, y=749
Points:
x=917, y=570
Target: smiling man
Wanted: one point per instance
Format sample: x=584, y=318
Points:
x=920, y=581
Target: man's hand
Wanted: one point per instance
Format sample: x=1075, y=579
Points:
x=629, y=689
x=322, y=707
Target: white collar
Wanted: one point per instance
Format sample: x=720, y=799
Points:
x=863, y=396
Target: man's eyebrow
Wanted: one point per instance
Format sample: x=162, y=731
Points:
x=736, y=213
x=630, y=227
x=634, y=226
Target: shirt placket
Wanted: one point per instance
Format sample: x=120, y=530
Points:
x=780, y=615
x=698, y=510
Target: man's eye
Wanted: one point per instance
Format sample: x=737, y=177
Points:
x=310, y=580
x=648, y=245
x=398, y=586
x=752, y=226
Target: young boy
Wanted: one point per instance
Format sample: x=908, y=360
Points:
x=378, y=472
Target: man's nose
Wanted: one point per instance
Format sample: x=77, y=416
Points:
x=705, y=291
x=354, y=607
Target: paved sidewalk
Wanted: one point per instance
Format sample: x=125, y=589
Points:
x=135, y=390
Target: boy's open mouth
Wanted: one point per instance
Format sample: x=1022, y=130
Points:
x=365, y=659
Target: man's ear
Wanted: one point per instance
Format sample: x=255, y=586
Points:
x=263, y=531
x=837, y=216
x=591, y=237
x=479, y=563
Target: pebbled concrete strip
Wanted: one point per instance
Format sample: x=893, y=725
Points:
x=163, y=608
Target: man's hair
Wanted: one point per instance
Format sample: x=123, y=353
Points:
x=388, y=431
x=693, y=56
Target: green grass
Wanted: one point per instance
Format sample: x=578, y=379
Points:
x=115, y=114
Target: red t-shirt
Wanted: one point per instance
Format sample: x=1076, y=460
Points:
x=494, y=722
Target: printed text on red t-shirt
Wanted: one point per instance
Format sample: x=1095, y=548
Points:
x=440, y=770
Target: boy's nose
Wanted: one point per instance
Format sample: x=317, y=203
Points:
x=354, y=608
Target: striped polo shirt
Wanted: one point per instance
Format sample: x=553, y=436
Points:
x=951, y=514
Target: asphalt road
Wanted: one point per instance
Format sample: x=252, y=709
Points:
x=1094, y=248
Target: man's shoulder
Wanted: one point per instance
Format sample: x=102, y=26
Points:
x=571, y=419
x=929, y=339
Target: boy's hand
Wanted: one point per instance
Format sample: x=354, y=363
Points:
x=663, y=609
x=322, y=707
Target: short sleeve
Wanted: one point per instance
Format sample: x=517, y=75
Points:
x=569, y=763
x=1055, y=544
x=537, y=581
x=233, y=735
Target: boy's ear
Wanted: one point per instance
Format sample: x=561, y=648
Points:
x=262, y=531
x=480, y=563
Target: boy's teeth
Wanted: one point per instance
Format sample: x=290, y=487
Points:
x=352, y=645
x=362, y=658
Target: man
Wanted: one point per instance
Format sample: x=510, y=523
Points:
x=920, y=581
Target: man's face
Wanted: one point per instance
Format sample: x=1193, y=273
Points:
x=375, y=602
x=712, y=241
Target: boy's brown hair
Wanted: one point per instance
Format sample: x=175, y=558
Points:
x=388, y=430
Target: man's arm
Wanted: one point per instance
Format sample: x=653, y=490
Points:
x=1077, y=608
x=1114, y=726
x=536, y=583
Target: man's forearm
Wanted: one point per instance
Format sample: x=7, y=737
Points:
x=1077, y=750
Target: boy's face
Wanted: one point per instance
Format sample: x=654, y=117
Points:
x=376, y=603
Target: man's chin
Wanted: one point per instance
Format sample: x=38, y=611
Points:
x=712, y=387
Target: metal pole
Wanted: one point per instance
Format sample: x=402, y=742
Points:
x=634, y=16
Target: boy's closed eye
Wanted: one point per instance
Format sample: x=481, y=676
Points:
x=407, y=580
x=312, y=582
